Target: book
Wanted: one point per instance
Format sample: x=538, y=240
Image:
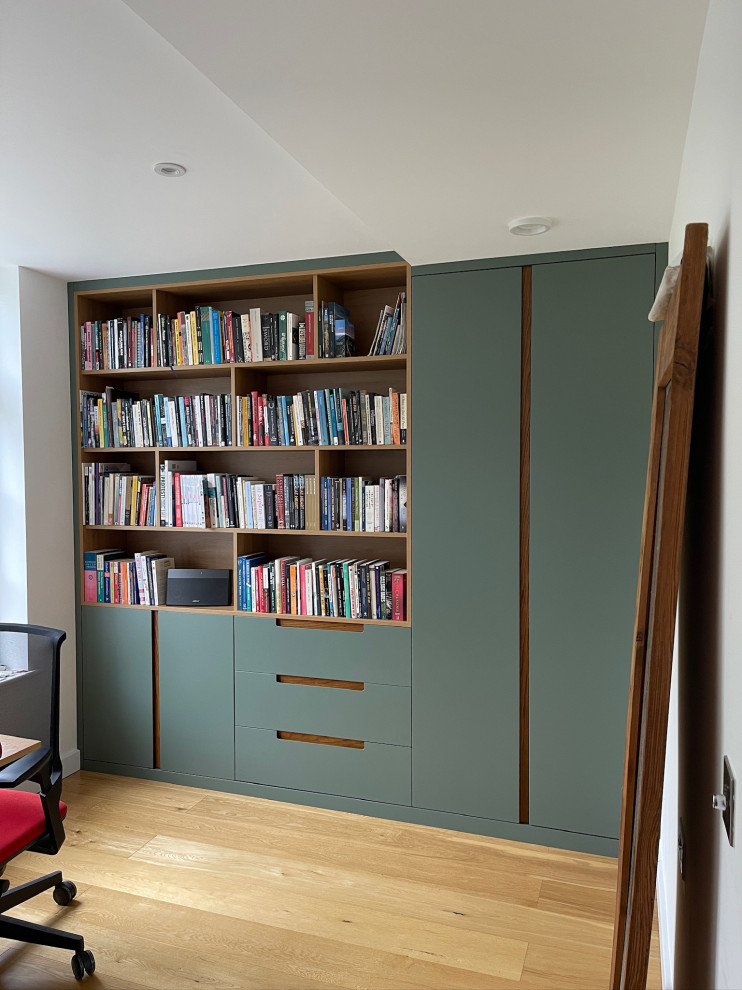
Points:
x=90, y=582
x=159, y=567
x=399, y=595
x=310, y=333
x=345, y=338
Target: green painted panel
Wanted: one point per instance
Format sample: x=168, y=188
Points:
x=466, y=544
x=378, y=713
x=196, y=694
x=117, y=685
x=237, y=271
x=590, y=414
x=520, y=260
x=379, y=654
x=376, y=772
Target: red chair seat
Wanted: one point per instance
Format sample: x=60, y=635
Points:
x=21, y=821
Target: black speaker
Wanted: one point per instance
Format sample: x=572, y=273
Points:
x=191, y=587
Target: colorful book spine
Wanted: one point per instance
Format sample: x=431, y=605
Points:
x=90, y=577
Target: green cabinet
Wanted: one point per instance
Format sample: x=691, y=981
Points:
x=590, y=412
x=196, y=694
x=374, y=772
x=117, y=686
x=465, y=541
x=327, y=684
x=378, y=655
x=433, y=717
x=374, y=713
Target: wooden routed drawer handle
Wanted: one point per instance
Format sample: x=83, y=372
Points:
x=320, y=682
x=321, y=740
x=320, y=624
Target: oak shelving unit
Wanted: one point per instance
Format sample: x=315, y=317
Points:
x=364, y=291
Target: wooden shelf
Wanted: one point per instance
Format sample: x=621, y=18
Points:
x=393, y=362
x=224, y=450
x=249, y=532
x=298, y=619
x=181, y=371
x=365, y=290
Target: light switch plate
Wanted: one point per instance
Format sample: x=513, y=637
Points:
x=729, y=789
x=681, y=849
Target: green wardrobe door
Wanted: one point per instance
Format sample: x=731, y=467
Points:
x=465, y=436
x=590, y=412
x=117, y=685
x=197, y=694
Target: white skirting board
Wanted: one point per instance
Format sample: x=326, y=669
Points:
x=70, y=762
x=666, y=919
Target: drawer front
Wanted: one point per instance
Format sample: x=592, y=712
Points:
x=377, y=655
x=377, y=772
x=378, y=713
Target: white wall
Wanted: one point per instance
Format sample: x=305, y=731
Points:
x=708, y=702
x=12, y=486
x=667, y=868
x=49, y=514
x=37, y=579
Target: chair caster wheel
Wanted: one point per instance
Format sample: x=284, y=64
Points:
x=82, y=963
x=64, y=892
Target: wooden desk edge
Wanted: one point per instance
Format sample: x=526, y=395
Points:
x=14, y=747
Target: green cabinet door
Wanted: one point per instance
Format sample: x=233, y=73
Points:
x=197, y=694
x=117, y=685
x=465, y=434
x=590, y=412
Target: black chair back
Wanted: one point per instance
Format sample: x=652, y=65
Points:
x=29, y=698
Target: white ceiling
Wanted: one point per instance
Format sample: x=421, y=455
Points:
x=321, y=127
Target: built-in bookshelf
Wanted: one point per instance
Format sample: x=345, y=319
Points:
x=270, y=420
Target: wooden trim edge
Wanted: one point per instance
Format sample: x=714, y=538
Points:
x=525, y=495
x=321, y=740
x=155, y=691
x=320, y=682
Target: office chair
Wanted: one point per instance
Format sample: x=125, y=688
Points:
x=29, y=708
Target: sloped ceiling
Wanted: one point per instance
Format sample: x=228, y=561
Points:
x=92, y=97
x=317, y=127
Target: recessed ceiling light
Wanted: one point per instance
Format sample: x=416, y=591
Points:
x=170, y=169
x=528, y=226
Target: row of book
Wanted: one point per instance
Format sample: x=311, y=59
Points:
x=113, y=418
x=208, y=335
x=115, y=577
x=203, y=335
x=124, y=342
x=361, y=505
x=391, y=329
x=214, y=500
x=113, y=495
x=352, y=589
x=327, y=417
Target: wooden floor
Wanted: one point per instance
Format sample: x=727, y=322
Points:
x=180, y=887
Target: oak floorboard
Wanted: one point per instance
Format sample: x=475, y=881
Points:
x=577, y=901
x=393, y=849
x=493, y=914
x=180, y=887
